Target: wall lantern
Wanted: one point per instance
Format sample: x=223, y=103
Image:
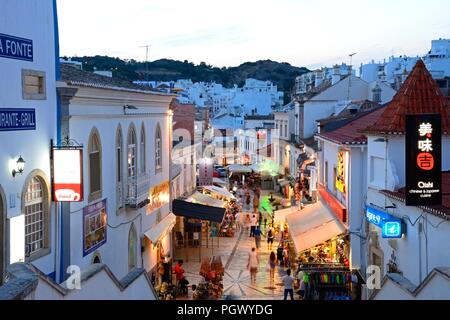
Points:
x=20, y=165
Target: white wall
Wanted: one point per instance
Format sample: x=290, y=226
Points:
x=313, y=111
x=30, y=19
x=105, y=115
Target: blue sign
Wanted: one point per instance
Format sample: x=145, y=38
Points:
x=376, y=217
x=16, y=48
x=17, y=119
x=392, y=229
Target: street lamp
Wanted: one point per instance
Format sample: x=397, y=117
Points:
x=20, y=166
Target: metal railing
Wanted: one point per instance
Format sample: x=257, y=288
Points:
x=137, y=190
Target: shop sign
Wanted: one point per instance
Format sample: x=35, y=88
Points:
x=391, y=227
x=423, y=160
x=17, y=119
x=16, y=48
x=205, y=174
x=159, y=196
x=67, y=175
x=94, y=226
x=340, y=176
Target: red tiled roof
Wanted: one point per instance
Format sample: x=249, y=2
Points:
x=418, y=95
x=351, y=132
x=443, y=210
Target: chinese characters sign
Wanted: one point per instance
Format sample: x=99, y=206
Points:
x=340, y=175
x=423, y=160
x=94, y=226
x=159, y=196
x=67, y=175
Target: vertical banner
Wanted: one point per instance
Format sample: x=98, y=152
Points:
x=340, y=176
x=67, y=175
x=423, y=160
x=94, y=226
x=205, y=172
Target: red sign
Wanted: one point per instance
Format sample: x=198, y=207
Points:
x=338, y=208
x=67, y=175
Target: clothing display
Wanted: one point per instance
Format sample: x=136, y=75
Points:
x=326, y=285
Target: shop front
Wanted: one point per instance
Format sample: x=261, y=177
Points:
x=159, y=249
x=199, y=222
x=322, y=246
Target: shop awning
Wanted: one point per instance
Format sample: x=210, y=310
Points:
x=204, y=199
x=219, y=182
x=220, y=191
x=197, y=211
x=161, y=229
x=313, y=225
x=239, y=168
x=280, y=215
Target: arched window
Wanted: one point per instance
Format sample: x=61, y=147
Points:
x=142, y=154
x=131, y=162
x=37, y=222
x=119, y=167
x=132, y=152
x=158, y=148
x=95, y=168
x=132, y=248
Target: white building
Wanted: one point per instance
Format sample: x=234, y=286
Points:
x=414, y=266
x=262, y=95
x=28, y=122
x=126, y=138
x=341, y=163
x=330, y=101
x=395, y=70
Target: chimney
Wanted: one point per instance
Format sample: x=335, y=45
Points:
x=336, y=77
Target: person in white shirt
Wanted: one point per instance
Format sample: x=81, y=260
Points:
x=288, y=282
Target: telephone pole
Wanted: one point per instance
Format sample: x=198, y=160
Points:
x=146, y=60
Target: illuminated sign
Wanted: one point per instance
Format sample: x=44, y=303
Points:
x=67, y=175
x=159, y=196
x=94, y=226
x=340, y=175
x=16, y=48
x=423, y=160
x=391, y=227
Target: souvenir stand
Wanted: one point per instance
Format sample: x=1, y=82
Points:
x=212, y=271
x=325, y=271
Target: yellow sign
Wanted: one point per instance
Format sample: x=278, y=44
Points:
x=159, y=196
x=340, y=176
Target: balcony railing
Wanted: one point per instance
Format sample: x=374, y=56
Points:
x=137, y=190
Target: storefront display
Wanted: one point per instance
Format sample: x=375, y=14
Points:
x=212, y=270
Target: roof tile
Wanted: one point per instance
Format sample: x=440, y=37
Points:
x=419, y=94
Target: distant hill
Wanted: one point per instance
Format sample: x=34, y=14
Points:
x=281, y=74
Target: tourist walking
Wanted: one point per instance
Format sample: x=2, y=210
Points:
x=253, y=223
x=257, y=235
x=252, y=265
x=288, y=282
x=271, y=264
x=270, y=237
x=237, y=219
